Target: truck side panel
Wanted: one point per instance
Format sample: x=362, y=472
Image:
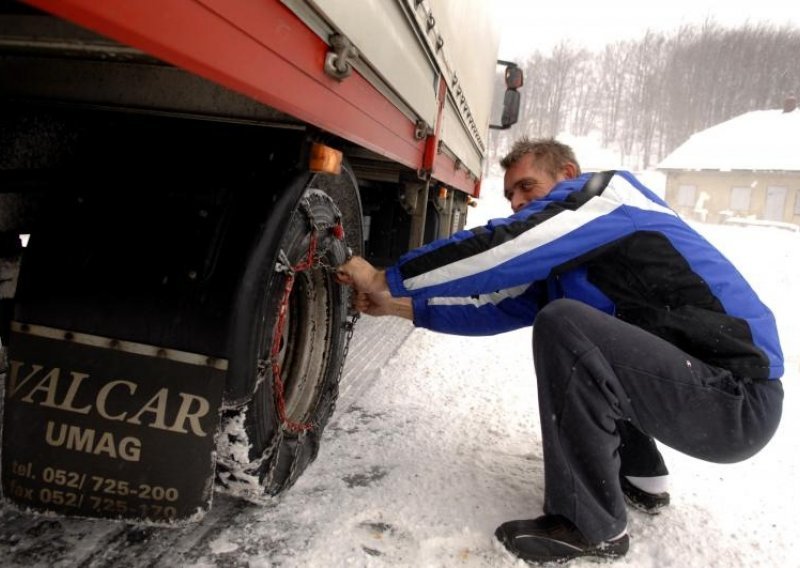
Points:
x=408, y=45
x=388, y=43
x=241, y=40
x=471, y=43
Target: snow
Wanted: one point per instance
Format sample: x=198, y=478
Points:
x=757, y=140
x=419, y=466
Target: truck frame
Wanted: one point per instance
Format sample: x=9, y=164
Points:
x=188, y=174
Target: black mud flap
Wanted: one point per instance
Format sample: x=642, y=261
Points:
x=95, y=427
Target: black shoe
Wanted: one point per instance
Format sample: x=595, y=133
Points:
x=650, y=503
x=553, y=538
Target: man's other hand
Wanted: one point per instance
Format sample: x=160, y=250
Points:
x=373, y=304
x=383, y=304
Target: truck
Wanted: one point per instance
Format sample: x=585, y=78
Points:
x=179, y=180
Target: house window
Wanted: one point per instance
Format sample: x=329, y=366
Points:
x=687, y=194
x=740, y=198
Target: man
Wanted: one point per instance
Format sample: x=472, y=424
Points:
x=642, y=330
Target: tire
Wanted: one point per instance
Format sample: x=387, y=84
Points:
x=262, y=449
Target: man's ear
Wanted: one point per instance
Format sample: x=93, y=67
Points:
x=570, y=170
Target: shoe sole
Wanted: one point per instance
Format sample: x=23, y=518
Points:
x=598, y=554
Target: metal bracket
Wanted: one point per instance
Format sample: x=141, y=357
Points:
x=339, y=60
x=407, y=197
x=431, y=21
x=422, y=130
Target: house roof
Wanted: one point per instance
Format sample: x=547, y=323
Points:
x=757, y=140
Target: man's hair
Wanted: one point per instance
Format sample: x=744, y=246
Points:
x=548, y=153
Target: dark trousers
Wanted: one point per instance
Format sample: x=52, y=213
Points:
x=603, y=382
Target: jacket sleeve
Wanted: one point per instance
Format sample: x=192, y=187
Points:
x=564, y=227
x=485, y=314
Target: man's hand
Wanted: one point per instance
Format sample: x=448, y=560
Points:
x=362, y=276
x=383, y=304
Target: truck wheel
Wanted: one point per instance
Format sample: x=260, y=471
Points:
x=265, y=446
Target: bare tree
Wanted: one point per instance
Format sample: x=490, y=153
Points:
x=648, y=96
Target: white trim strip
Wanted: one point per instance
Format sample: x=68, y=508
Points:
x=628, y=194
x=483, y=299
x=119, y=345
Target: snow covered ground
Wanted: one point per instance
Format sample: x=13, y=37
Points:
x=444, y=445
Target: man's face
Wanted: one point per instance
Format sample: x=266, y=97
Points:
x=525, y=181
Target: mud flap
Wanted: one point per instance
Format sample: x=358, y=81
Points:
x=95, y=427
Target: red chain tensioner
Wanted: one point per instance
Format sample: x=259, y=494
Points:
x=307, y=263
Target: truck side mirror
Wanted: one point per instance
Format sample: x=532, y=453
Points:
x=514, y=77
x=514, y=80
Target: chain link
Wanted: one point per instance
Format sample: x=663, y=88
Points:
x=277, y=336
x=350, y=327
x=284, y=265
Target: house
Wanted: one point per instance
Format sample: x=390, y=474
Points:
x=745, y=168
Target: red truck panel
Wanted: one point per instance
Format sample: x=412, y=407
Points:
x=260, y=49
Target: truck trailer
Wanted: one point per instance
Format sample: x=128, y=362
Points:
x=179, y=180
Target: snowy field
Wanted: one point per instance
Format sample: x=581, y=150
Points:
x=445, y=445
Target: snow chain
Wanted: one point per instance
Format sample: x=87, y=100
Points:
x=310, y=261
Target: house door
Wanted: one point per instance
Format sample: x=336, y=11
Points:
x=776, y=201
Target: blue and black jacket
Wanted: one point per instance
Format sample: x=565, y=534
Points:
x=610, y=243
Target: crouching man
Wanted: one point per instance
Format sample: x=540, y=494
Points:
x=642, y=330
